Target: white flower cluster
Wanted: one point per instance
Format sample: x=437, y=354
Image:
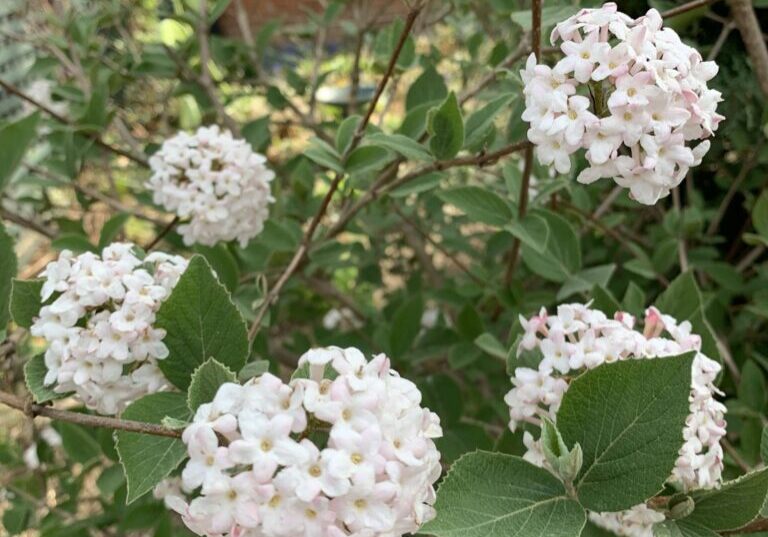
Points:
x=630, y=93
x=319, y=457
x=101, y=342
x=216, y=184
x=580, y=338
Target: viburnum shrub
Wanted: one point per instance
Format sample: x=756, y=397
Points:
x=192, y=195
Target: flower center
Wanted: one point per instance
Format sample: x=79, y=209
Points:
x=209, y=460
x=310, y=513
x=232, y=494
x=627, y=116
x=631, y=92
x=356, y=458
x=346, y=414
x=585, y=55
x=315, y=471
x=266, y=445
x=275, y=500
x=360, y=503
x=572, y=114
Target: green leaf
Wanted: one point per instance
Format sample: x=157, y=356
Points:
x=15, y=138
x=760, y=214
x=735, y=504
x=679, y=528
x=446, y=129
x=34, y=376
x=585, y=280
x=491, y=345
x=8, y=267
x=223, y=263
x=764, y=445
x=345, y=133
x=683, y=301
x=422, y=184
x=407, y=147
x=428, y=88
x=628, y=418
x=111, y=229
x=479, y=205
x=25, y=301
x=405, y=326
x=532, y=230
x=73, y=241
x=253, y=369
x=257, y=134
x=751, y=389
x=206, y=381
x=561, y=257
x=498, y=495
x=201, y=322
x=603, y=300
x=366, y=159
x=324, y=155
x=480, y=122
x=148, y=459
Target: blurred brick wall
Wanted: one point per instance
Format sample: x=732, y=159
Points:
x=294, y=11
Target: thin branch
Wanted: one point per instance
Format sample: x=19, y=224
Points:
x=89, y=420
x=685, y=8
x=10, y=88
x=744, y=16
x=205, y=79
x=750, y=258
x=301, y=252
x=682, y=250
x=743, y=172
x=94, y=194
x=521, y=50
x=382, y=185
x=163, y=232
x=522, y=202
x=27, y=223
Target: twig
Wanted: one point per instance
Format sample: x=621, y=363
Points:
x=10, y=88
x=160, y=236
x=750, y=258
x=301, y=251
x=522, y=48
x=87, y=419
x=607, y=202
x=745, y=169
x=382, y=185
x=522, y=202
x=744, y=16
x=27, y=223
x=456, y=261
x=205, y=79
x=94, y=194
x=690, y=6
x=728, y=27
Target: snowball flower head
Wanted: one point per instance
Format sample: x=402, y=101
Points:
x=216, y=184
x=630, y=93
x=345, y=450
x=98, y=318
x=578, y=338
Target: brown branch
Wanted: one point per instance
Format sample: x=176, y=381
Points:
x=205, y=80
x=521, y=50
x=685, y=8
x=163, y=232
x=303, y=248
x=756, y=526
x=745, y=19
x=10, y=88
x=88, y=420
x=382, y=186
x=27, y=223
x=522, y=202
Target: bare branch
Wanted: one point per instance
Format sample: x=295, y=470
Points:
x=10, y=88
x=301, y=252
x=744, y=16
x=89, y=420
